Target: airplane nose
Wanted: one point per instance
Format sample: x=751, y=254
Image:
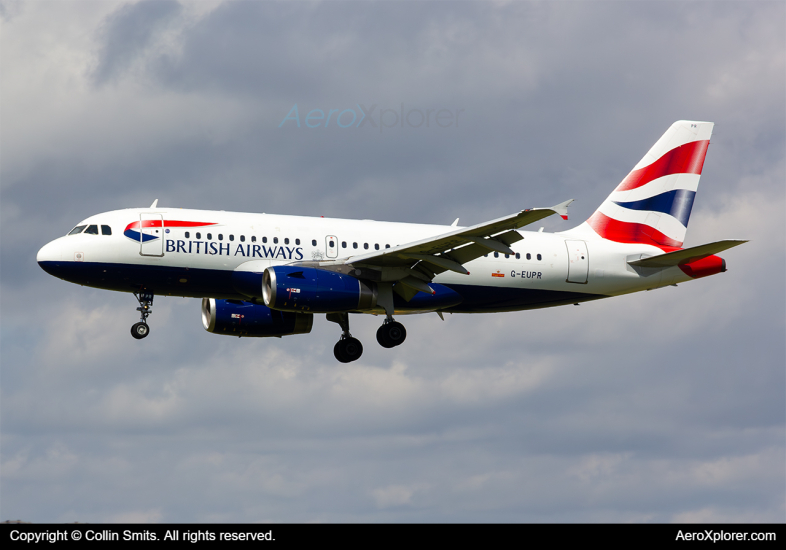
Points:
x=49, y=258
x=49, y=253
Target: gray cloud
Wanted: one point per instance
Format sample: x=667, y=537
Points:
x=127, y=33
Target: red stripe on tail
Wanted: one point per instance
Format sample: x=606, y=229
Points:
x=626, y=232
x=685, y=159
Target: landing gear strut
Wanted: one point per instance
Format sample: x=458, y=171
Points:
x=141, y=329
x=391, y=333
x=347, y=349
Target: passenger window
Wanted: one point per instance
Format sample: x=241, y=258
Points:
x=354, y=245
x=106, y=230
x=485, y=255
x=275, y=240
x=539, y=257
x=286, y=241
x=518, y=256
x=264, y=239
x=376, y=247
x=242, y=238
x=220, y=237
x=529, y=256
x=343, y=244
x=507, y=256
x=387, y=246
x=297, y=242
x=496, y=254
x=209, y=236
x=313, y=242
x=199, y=235
x=253, y=238
x=78, y=229
x=231, y=237
x=365, y=245
x=188, y=235
x=331, y=244
x=91, y=230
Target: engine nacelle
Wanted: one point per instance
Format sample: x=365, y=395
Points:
x=237, y=318
x=292, y=288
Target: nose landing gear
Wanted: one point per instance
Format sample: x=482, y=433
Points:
x=141, y=329
x=347, y=349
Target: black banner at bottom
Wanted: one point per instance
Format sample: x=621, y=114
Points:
x=480, y=534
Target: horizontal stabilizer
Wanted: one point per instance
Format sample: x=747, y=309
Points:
x=686, y=256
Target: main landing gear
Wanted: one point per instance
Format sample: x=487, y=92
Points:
x=141, y=329
x=347, y=349
x=391, y=333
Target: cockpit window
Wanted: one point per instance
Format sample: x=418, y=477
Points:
x=78, y=229
x=91, y=230
x=106, y=230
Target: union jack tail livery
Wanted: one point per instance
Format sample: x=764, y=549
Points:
x=652, y=204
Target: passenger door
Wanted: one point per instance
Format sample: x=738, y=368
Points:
x=578, y=262
x=151, y=234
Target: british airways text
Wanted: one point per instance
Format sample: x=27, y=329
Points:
x=225, y=249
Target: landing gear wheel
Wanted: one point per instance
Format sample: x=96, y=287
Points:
x=392, y=334
x=347, y=350
x=140, y=330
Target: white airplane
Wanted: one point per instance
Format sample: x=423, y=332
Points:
x=267, y=275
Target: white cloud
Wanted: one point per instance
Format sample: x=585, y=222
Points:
x=394, y=495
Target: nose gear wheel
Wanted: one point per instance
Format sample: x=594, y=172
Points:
x=140, y=330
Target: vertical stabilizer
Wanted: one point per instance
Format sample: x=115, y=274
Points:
x=652, y=205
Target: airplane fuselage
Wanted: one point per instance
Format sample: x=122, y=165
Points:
x=198, y=260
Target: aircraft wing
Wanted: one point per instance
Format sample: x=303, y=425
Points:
x=451, y=250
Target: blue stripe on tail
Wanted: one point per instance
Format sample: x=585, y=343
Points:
x=677, y=203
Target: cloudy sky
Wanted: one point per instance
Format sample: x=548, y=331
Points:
x=661, y=406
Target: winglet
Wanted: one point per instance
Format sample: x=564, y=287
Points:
x=155, y=204
x=562, y=208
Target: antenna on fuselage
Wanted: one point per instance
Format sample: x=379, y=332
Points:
x=155, y=203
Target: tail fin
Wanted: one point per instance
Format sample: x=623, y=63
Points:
x=652, y=204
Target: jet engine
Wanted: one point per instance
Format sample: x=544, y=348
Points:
x=293, y=288
x=237, y=318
